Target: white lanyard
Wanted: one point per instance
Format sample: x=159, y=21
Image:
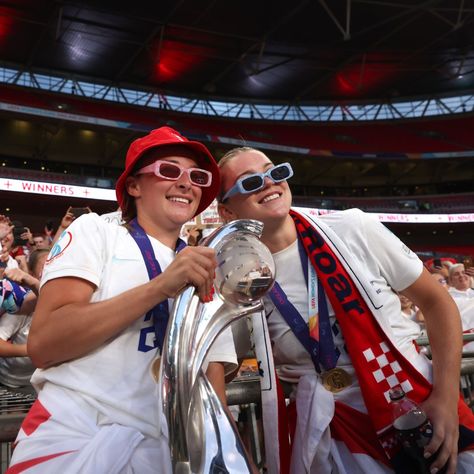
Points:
x=313, y=302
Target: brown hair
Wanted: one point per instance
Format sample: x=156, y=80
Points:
x=34, y=257
x=129, y=208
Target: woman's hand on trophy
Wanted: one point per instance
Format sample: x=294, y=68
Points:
x=194, y=266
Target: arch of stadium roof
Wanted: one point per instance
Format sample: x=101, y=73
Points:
x=400, y=110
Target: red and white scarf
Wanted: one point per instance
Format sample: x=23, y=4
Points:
x=378, y=364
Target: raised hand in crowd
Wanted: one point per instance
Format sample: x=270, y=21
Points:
x=469, y=271
x=16, y=248
x=66, y=221
x=16, y=367
x=22, y=278
x=48, y=231
x=27, y=236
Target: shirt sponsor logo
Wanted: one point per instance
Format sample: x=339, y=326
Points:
x=60, y=246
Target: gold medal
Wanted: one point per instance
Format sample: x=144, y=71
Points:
x=155, y=368
x=336, y=380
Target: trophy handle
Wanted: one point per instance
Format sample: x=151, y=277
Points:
x=202, y=438
x=210, y=427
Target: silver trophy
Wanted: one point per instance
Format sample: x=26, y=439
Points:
x=202, y=438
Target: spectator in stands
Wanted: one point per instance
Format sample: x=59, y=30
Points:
x=409, y=310
x=13, y=297
x=40, y=242
x=194, y=235
x=340, y=388
x=93, y=332
x=441, y=279
x=460, y=283
x=67, y=220
x=22, y=237
x=7, y=243
x=440, y=265
x=48, y=232
x=463, y=296
x=16, y=367
x=469, y=269
x=413, y=318
x=5, y=226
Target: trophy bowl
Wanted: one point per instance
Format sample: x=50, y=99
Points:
x=245, y=270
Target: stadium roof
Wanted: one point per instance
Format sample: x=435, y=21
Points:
x=332, y=55
x=297, y=52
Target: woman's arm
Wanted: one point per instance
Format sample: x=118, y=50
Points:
x=7, y=349
x=66, y=325
x=443, y=324
x=21, y=259
x=23, y=278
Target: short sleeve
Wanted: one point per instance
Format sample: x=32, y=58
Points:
x=399, y=265
x=79, y=251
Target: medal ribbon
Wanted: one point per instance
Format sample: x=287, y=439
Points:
x=319, y=344
x=159, y=313
x=313, y=316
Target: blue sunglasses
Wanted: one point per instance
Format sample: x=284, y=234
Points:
x=254, y=182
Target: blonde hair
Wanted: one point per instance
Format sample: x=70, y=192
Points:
x=229, y=156
x=233, y=153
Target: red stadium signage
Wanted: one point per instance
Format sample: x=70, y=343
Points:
x=412, y=218
x=55, y=189
x=210, y=215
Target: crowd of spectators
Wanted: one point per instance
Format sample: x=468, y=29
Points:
x=458, y=279
x=23, y=254
x=22, y=258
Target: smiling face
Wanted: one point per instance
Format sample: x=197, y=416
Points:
x=405, y=303
x=164, y=203
x=39, y=242
x=7, y=242
x=270, y=204
x=459, y=279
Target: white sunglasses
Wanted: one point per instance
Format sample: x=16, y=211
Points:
x=256, y=181
x=172, y=171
